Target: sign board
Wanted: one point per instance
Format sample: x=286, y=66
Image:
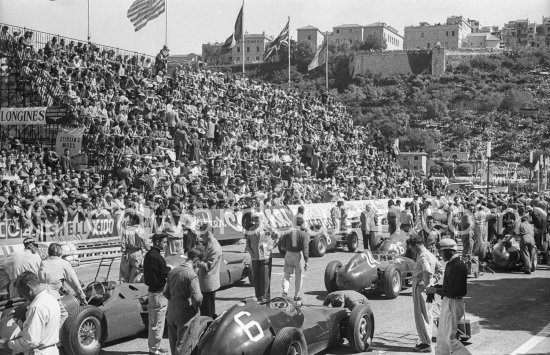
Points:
x=56, y=115
x=15, y=116
x=69, y=139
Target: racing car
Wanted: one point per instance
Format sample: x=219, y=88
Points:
x=283, y=326
x=322, y=241
x=386, y=270
x=115, y=311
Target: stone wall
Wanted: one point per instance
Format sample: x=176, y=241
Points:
x=434, y=61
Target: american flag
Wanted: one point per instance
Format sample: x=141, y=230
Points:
x=143, y=11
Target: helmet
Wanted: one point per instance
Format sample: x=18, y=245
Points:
x=448, y=243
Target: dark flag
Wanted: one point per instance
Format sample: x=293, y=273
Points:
x=275, y=45
x=237, y=34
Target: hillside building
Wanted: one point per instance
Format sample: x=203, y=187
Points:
x=413, y=160
x=254, y=48
x=310, y=34
x=453, y=34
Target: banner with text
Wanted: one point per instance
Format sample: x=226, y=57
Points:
x=14, y=116
x=70, y=139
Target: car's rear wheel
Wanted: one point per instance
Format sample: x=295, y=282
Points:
x=360, y=328
x=83, y=331
x=330, y=275
x=289, y=341
x=318, y=246
x=392, y=282
x=353, y=241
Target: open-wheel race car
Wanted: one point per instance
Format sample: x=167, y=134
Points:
x=323, y=241
x=283, y=326
x=386, y=270
x=505, y=254
x=115, y=311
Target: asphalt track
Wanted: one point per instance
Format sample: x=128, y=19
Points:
x=513, y=310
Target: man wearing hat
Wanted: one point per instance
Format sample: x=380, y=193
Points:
x=18, y=262
x=155, y=272
x=452, y=306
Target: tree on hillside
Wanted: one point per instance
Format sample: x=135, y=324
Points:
x=514, y=99
x=305, y=51
x=415, y=139
x=373, y=42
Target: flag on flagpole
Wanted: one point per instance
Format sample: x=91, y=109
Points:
x=274, y=46
x=143, y=11
x=237, y=34
x=320, y=57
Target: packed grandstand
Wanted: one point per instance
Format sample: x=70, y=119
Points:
x=195, y=139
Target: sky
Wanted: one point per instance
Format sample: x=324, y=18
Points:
x=193, y=22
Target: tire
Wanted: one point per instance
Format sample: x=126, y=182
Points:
x=281, y=251
x=289, y=340
x=318, y=246
x=392, y=282
x=360, y=328
x=330, y=275
x=353, y=242
x=88, y=319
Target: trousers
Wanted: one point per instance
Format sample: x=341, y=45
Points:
x=422, y=315
x=184, y=338
x=447, y=343
x=528, y=251
x=208, y=304
x=293, y=265
x=157, y=314
x=368, y=239
x=261, y=273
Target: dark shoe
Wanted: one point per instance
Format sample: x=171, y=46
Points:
x=285, y=294
x=423, y=348
x=297, y=298
x=527, y=272
x=159, y=351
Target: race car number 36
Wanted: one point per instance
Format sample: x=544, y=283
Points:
x=248, y=326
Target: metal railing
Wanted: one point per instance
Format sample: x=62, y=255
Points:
x=40, y=39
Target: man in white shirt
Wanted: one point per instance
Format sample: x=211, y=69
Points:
x=18, y=262
x=40, y=332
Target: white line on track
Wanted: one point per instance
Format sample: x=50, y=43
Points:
x=531, y=343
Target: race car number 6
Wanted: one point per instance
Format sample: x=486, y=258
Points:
x=246, y=327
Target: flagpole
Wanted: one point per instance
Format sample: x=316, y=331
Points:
x=242, y=38
x=166, y=23
x=89, y=35
x=289, y=50
x=326, y=64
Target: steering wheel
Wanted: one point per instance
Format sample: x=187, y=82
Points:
x=95, y=288
x=279, y=303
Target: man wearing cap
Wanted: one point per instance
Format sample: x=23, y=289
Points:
x=527, y=247
x=18, y=262
x=427, y=271
x=296, y=243
x=56, y=272
x=155, y=272
x=133, y=246
x=452, y=306
x=209, y=269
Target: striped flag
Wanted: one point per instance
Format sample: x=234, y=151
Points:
x=275, y=45
x=143, y=11
x=320, y=57
x=237, y=34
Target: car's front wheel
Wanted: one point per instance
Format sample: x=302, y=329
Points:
x=83, y=331
x=289, y=341
x=330, y=275
x=360, y=328
x=392, y=282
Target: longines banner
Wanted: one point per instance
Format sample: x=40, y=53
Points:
x=23, y=116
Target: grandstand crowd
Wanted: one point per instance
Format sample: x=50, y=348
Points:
x=191, y=139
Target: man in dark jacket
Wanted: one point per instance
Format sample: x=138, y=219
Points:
x=155, y=272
